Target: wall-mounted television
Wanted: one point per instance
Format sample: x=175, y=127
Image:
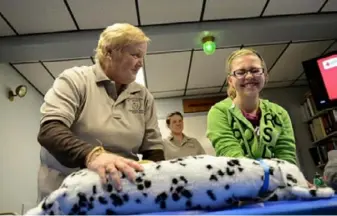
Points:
x=321, y=74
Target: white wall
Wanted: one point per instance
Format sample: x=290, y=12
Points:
x=19, y=149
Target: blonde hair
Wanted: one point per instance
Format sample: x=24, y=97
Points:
x=118, y=36
x=231, y=92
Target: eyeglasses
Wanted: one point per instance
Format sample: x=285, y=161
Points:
x=242, y=72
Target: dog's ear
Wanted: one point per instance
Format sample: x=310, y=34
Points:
x=312, y=193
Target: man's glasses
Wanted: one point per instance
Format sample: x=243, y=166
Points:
x=242, y=72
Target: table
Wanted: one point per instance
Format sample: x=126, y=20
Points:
x=311, y=207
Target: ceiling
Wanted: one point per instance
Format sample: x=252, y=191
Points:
x=36, y=42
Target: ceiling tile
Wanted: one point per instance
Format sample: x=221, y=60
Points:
x=172, y=11
x=283, y=7
x=220, y=9
x=37, y=75
x=289, y=66
x=168, y=94
x=202, y=91
x=278, y=84
x=57, y=67
x=37, y=16
x=167, y=71
x=300, y=82
x=5, y=30
x=208, y=70
x=269, y=52
x=109, y=12
x=330, y=6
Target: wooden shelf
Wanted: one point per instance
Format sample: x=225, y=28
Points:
x=318, y=114
x=331, y=135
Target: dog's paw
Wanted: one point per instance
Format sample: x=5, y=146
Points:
x=312, y=193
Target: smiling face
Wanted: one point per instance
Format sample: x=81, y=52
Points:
x=176, y=124
x=247, y=75
x=126, y=63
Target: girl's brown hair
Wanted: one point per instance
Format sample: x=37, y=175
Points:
x=231, y=92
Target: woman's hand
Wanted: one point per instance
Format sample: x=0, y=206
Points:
x=108, y=165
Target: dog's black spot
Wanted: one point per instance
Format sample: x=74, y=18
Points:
x=138, y=201
x=227, y=187
x=158, y=167
x=256, y=163
x=123, y=176
x=188, y=204
x=109, y=188
x=230, y=172
x=179, y=189
x=281, y=187
x=174, y=181
x=211, y=195
x=274, y=198
x=45, y=206
x=240, y=169
x=171, y=189
x=182, y=164
x=213, y=178
x=313, y=192
x=126, y=197
x=230, y=163
x=220, y=173
x=209, y=166
x=94, y=189
x=289, y=185
x=186, y=193
x=236, y=162
x=145, y=194
x=140, y=187
x=147, y=183
x=75, y=209
x=51, y=213
x=175, y=197
x=91, y=199
x=291, y=178
x=161, y=197
x=271, y=170
x=262, y=177
x=109, y=212
x=116, y=200
x=139, y=179
x=163, y=205
x=102, y=200
x=183, y=179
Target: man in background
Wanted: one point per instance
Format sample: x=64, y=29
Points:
x=178, y=144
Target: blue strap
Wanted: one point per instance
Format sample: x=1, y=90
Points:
x=265, y=185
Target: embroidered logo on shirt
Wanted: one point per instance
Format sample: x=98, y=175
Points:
x=135, y=105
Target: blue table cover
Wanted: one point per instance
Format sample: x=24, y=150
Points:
x=311, y=207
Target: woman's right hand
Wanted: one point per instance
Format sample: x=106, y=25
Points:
x=108, y=165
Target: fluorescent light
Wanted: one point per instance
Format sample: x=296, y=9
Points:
x=140, y=77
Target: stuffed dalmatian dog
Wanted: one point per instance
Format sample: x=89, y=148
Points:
x=191, y=183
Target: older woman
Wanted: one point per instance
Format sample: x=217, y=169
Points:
x=178, y=144
x=98, y=117
x=244, y=125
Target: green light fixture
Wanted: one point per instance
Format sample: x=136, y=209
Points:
x=208, y=44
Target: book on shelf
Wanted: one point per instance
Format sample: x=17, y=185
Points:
x=322, y=127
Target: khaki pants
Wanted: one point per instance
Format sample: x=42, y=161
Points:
x=48, y=180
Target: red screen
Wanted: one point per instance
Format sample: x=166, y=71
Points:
x=328, y=69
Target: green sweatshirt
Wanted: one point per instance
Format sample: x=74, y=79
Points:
x=233, y=135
